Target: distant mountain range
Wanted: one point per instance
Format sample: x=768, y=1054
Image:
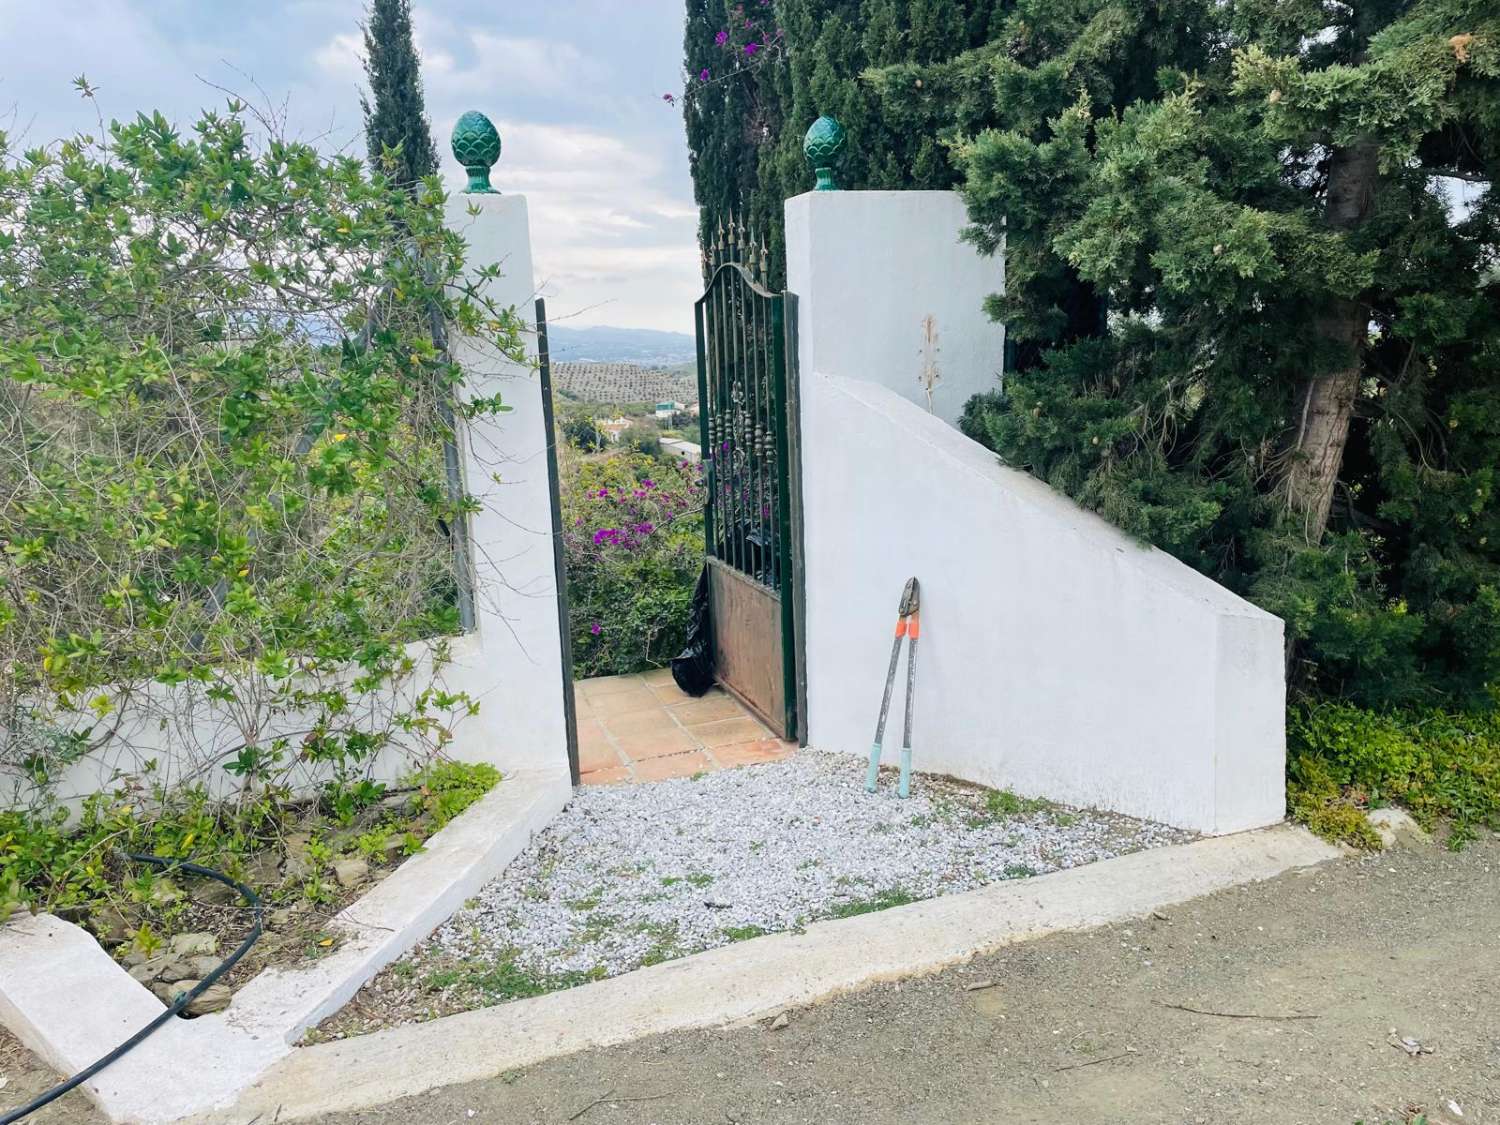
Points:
x=645, y=347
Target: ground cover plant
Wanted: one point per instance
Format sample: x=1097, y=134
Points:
x=305, y=856
x=633, y=532
x=1441, y=765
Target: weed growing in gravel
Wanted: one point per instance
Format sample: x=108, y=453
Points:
x=744, y=933
x=883, y=900
x=1018, y=871
x=1003, y=802
x=663, y=941
x=504, y=980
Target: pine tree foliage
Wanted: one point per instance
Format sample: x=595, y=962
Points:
x=1253, y=270
x=396, y=127
x=745, y=126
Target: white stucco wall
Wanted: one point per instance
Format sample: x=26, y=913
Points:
x=1059, y=657
x=869, y=267
x=513, y=664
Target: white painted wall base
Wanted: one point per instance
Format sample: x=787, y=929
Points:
x=1059, y=657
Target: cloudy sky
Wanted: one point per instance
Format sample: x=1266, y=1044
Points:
x=575, y=87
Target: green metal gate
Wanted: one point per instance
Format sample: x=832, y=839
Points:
x=747, y=378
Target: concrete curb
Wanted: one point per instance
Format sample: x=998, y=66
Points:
x=70, y=1002
x=755, y=978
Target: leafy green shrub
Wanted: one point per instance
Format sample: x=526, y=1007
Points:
x=224, y=413
x=1441, y=765
x=633, y=531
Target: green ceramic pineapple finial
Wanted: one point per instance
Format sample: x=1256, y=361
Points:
x=476, y=145
x=823, y=146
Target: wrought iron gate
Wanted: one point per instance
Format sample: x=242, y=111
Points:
x=747, y=353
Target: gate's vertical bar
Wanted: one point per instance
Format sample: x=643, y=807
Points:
x=791, y=421
x=559, y=561
x=784, y=517
x=765, y=462
x=704, y=409
x=728, y=446
x=753, y=461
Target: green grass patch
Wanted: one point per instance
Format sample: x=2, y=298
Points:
x=498, y=981
x=1001, y=803
x=882, y=900
x=744, y=933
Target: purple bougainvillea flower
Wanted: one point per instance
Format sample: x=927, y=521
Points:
x=596, y=628
x=603, y=493
x=721, y=38
x=751, y=48
x=648, y=483
x=670, y=99
x=703, y=75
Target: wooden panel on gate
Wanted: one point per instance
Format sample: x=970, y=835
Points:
x=748, y=642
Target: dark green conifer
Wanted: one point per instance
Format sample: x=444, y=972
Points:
x=395, y=116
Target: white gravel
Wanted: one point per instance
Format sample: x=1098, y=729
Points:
x=630, y=875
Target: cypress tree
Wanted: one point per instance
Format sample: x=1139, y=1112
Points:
x=395, y=116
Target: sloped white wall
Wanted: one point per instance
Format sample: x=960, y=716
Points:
x=1059, y=657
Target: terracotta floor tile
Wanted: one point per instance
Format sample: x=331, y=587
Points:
x=657, y=677
x=676, y=765
x=639, y=722
x=728, y=731
x=612, y=776
x=670, y=694
x=595, y=751
x=657, y=744
x=598, y=686
x=752, y=753
x=624, y=702
x=711, y=708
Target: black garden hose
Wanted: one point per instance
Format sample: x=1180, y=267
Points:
x=179, y=1002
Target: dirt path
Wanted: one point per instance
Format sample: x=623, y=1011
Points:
x=1077, y=1029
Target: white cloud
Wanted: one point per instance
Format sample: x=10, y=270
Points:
x=572, y=84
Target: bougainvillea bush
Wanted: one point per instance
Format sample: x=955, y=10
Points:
x=633, y=530
x=224, y=400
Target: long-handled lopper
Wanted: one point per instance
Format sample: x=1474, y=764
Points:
x=908, y=624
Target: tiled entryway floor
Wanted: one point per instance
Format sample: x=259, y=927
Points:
x=645, y=728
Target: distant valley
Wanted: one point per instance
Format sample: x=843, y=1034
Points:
x=644, y=347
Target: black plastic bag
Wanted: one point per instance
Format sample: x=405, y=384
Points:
x=693, y=668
